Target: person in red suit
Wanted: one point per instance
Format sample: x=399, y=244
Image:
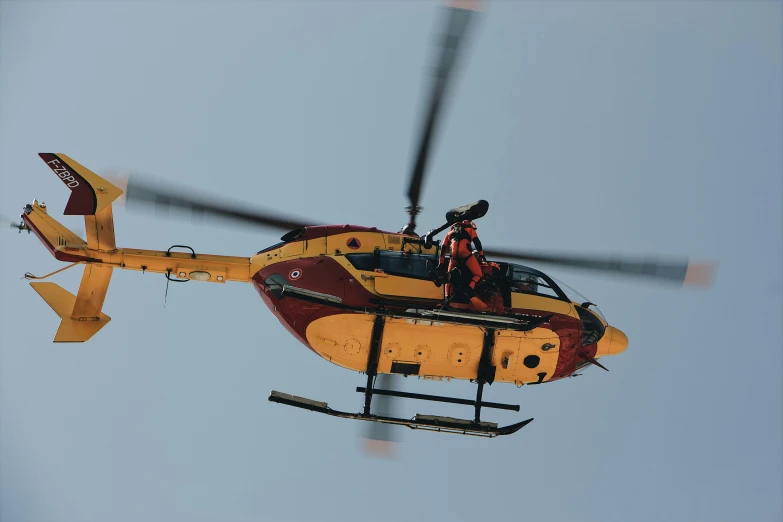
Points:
x=457, y=242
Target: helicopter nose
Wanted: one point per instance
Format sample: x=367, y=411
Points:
x=613, y=342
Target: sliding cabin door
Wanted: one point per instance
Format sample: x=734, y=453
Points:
x=404, y=274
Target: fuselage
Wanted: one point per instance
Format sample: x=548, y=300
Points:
x=367, y=270
x=360, y=297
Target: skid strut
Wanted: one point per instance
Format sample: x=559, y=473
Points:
x=372, y=361
x=438, y=398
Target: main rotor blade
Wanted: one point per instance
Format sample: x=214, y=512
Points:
x=162, y=199
x=683, y=272
x=459, y=15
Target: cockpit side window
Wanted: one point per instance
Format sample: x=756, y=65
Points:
x=592, y=327
x=578, y=298
x=527, y=282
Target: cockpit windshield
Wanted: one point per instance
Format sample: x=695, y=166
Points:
x=578, y=298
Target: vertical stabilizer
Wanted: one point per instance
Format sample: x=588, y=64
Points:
x=90, y=193
x=91, y=197
x=81, y=315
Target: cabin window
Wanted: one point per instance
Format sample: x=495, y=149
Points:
x=407, y=264
x=276, y=283
x=404, y=264
x=362, y=261
x=526, y=282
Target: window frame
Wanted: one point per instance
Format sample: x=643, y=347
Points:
x=551, y=284
x=376, y=264
x=411, y=275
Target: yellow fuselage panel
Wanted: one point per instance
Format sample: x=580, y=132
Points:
x=398, y=286
x=441, y=350
x=613, y=342
x=355, y=242
x=522, y=301
x=342, y=339
x=526, y=357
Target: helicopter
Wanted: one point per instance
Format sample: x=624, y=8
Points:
x=369, y=300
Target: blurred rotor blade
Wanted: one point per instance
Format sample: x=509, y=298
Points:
x=13, y=224
x=683, y=272
x=458, y=17
x=162, y=198
x=118, y=178
x=379, y=437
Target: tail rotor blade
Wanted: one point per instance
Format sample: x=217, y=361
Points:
x=13, y=224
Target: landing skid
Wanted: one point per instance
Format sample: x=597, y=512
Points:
x=419, y=422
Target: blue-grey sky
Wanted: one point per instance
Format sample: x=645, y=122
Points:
x=641, y=127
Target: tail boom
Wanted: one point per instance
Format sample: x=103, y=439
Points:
x=66, y=246
x=81, y=315
x=199, y=267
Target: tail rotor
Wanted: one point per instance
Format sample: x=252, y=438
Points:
x=6, y=221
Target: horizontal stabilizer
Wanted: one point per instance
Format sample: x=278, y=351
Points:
x=81, y=315
x=90, y=193
x=63, y=244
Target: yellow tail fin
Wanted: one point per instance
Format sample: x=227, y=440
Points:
x=91, y=197
x=90, y=193
x=80, y=314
